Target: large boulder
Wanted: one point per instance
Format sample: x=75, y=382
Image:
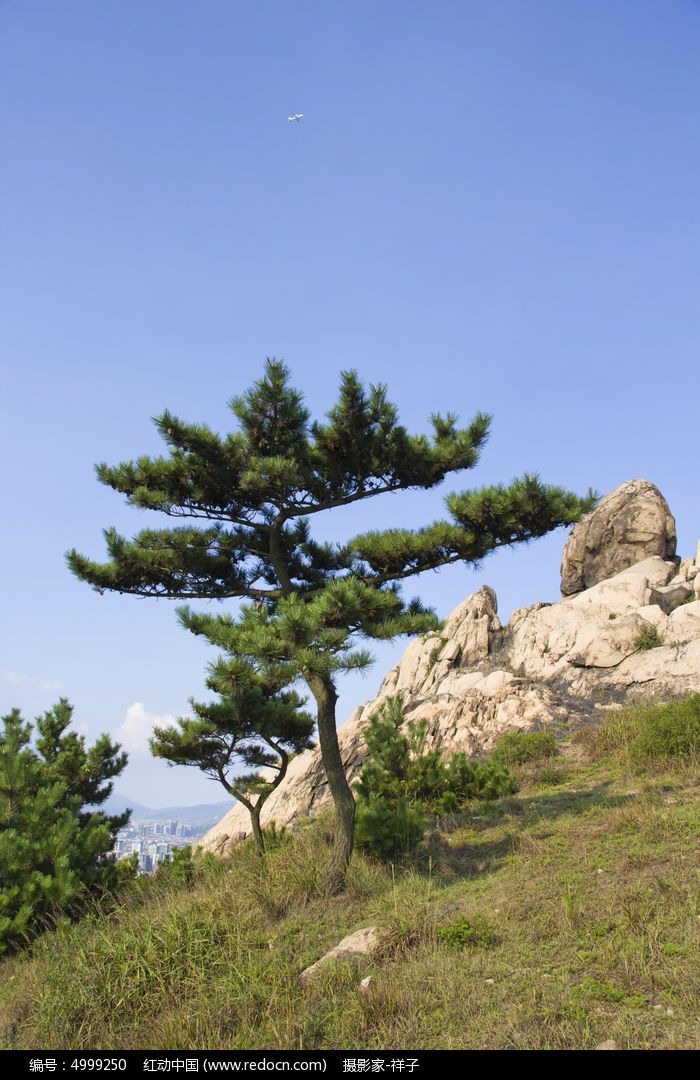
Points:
x=628, y=525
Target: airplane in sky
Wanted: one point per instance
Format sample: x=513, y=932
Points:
x=296, y=116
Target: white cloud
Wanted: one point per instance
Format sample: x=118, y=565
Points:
x=20, y=678
x=137, y=728
x=16, y=678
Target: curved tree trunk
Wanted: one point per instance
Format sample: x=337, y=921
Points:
x=325, y=696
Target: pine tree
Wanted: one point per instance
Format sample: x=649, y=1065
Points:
x=250, y=497
x=256, y=723
x=54, y=844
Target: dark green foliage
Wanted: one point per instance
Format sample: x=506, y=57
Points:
x=391, y=828
x=462, y=933
x=670, y=731
x=252, y=495
x=54, y=844
x=468, y=780
x=256, y=723
x=518, y=747
x=261, y=485
x=403, y=785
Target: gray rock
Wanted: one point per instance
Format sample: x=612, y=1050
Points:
x=355, y=949
x=686, y=571
x=628, y=525
x=669, y=597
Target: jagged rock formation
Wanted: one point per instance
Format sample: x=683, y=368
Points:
x=635, y=634
x=628, y=525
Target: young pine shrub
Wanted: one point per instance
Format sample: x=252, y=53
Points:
x=404, y=785
x=390, y=829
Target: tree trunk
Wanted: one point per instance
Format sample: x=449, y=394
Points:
x=325, y=696
x=257, y=830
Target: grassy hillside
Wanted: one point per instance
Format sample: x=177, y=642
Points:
x=557, y=918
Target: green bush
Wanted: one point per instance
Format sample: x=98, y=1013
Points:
x=648, y=638
x=550, y=775
x=519, y=747
x=404, y=784
x=669, y=731
x=463, y=932
x=178, y=867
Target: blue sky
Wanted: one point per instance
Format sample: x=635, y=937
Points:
x=488, y=205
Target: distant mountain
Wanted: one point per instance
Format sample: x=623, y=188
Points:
x=188, y=815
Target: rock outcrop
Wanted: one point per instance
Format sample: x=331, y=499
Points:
x=628, y=525
x=355, y=949
x=633, y=635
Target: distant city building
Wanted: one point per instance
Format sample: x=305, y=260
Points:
x=138, y=838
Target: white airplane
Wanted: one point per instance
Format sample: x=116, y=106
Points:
x=297, y=116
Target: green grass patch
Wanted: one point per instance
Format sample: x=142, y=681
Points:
x=652, y=736
x=462, y=932
x=519, y=747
